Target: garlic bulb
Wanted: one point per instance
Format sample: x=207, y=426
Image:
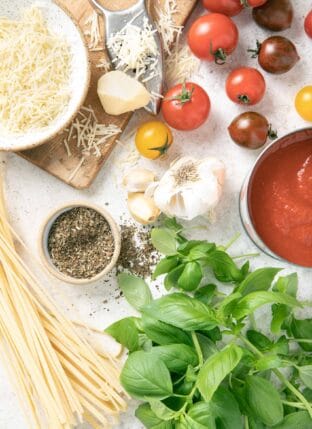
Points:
x=138, y=179
x=190, y=188
x=142, y=208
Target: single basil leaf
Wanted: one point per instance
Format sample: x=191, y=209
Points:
x=200, y=416
x=145, y=414
x=207, y=346
x=280, y=312
x=145, y=376
x=226, y=410
x=161, y=410
x=171, y=279
x=264, y=400
x=183, y=312
x=255, y=424
x=259, y=340
x=191, y=276
x=216, y=368
x=165, y=266
x=201, y=250
x=206, y=293
x=305, y=374
x=287, y=284
x=176, y=357
x=269, y=362
x=302, y=329
x=260, y=279
x=298, y=420
x=186, y=247
x=254, y=300
x=125, y=332
x=228, y=304
x=161, y=333
x=164, y=240
x=223, y=266
x=135, y=289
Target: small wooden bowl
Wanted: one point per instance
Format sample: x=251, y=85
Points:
x=43, y=243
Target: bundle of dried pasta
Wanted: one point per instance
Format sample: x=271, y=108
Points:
x=60, y=378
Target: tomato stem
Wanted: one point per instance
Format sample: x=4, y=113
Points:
x=272, y=134
x=255, y=52
x=185, y=96
x=244, y=99
x=219, y=56
x=164, y=148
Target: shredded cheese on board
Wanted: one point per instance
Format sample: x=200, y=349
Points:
x=35, y=69
x=135, y=49
x=89, y=135
x=167, y=28
x=180, y=65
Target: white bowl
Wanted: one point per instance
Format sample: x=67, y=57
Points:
x=60, y=22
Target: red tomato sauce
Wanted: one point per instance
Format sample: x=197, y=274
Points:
x=280, y=201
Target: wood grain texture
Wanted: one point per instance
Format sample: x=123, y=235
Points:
x=52, y=156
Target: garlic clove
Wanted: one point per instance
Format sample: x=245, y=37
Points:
x=138, y=179
x=142, y=208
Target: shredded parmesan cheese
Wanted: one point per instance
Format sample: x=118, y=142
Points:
x=35, y=69
x=94, y=32
x=135, y=49
x=88, y=134
x=180, y=65
x=167, y=28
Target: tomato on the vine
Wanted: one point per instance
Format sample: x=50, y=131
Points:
x=227, y=7
x=303, y=103
x=153, y=139
x=212, y=37
x=245, y=85
x=308, y=24
x=186, y=106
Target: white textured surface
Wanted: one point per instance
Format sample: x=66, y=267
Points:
x=32, y=194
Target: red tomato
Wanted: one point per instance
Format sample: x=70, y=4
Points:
x=255, y=3
x=245, y=85
x=227, y=7
x=186, y=106
x=212, y=37
x=308, y=24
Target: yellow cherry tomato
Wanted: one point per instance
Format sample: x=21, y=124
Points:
x=153, y=139
x=303, y=103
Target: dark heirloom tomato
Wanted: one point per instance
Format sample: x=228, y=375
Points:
x=245, y=85
x=227, y=7
x=212, y=37
x=251, y=130
x=275, y=15
x=276, y=55
x=308, y=24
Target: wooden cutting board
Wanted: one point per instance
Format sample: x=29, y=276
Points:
x=53, y=156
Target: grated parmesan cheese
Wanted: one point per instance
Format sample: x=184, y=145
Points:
x=180, y=65
x=94, y=32
x=35, y=69
x=135, y=49
x=167, y=28
x=88, y=134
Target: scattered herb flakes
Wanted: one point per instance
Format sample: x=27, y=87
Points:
x=138, y=255
x=81, y=243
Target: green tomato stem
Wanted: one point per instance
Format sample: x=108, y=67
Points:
x=280, y=376
x=198, y=349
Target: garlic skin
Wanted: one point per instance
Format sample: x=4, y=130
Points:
x=190, y=187
x=138, y=179
x=142, y=208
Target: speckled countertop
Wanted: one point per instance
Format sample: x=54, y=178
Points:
x=32, y=193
